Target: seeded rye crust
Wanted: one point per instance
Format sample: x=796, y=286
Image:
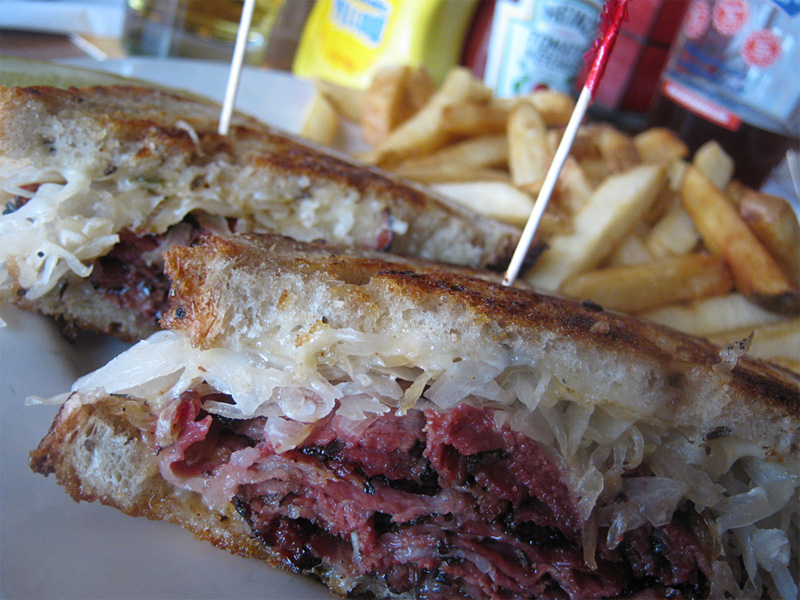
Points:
x=102, y=451
x=667, y=374
x=139, y=132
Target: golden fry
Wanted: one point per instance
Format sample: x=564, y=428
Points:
x=725, y=233
x=394, y=94
x=712, y=315
x=457, y=161
x=452, y=173
x=573, y=189
x=529, y=149
x=674, y=235
x=616, y=148
x=348, y=102
x=555, y=107
x=613, y=210
x=420, y=87
x=320, y=121
x=470, y=118
x=494, y=199
x=714, y=163
x=422, y=132
x=775, y=224
x=659, y=144
x=636, y=288
x=630, y=251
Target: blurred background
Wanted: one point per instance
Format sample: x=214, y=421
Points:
x=705, y=68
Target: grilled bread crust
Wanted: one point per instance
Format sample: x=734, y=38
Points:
x=77, y=305
x=143, y=130
x=103, y=452
x=161, y=145
x=226, y=288
x=600, y=355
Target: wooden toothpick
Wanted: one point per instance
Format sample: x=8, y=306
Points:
x=235, y=72
x=613, y=15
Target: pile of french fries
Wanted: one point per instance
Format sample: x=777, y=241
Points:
x=635, y=224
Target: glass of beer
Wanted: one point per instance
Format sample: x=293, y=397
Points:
x=197, y=28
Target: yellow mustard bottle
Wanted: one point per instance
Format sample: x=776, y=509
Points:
x=347, y=41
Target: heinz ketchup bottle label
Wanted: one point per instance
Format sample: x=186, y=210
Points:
x=536, y=43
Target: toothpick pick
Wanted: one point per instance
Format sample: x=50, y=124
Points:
x=547, y=187
x=610, y=27
x=235, y=72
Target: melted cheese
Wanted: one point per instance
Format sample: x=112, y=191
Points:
x=751, y=500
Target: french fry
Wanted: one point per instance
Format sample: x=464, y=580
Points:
x=669, y=195
x=452, y=173
x=616, y=148
x=714, y=163
x=458, y=161
x=675, y=173
x=778, y=340
x=385, y=105
x=775, y=224
x=394, y=94
x=555, y=107
x=470, y=118
x=573, y=189
x=630, y=251
x=674, y=235
x=583, y=146
x=348, y=102
x=503, y=201
x=420, y=87
x=497, y=200
x=636, y=288
x=612, y=211
x=712, y=315
x=529, y=149
x=735, y=191
x=422, y=133
x=596, y=170
x=659, y=144
x=320, y=122
x=555, y=221
x=480, y=151
x=725, y=233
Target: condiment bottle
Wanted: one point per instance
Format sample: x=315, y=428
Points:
x=197, y=28
x=734, y=76
x=520, y=45
x=347, y=41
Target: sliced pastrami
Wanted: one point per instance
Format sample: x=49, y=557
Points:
x=445, y=503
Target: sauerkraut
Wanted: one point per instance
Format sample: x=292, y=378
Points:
x=747, y=501
x=65, y=218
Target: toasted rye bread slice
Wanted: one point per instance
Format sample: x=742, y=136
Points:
x=141, y=159
x=103, y=452
x=148, y=136
x=313, y=311
x=231, y=291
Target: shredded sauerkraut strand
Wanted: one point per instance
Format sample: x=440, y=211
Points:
x=749, y=501
x=56, y=231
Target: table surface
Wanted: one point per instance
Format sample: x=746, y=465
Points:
x=48, y=46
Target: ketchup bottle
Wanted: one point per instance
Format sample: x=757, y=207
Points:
x=734, y=76
x=519, y=45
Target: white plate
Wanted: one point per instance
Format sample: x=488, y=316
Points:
x=275, y=97
x=51, y=547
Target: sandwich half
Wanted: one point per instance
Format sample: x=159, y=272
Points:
x=96, y=182
x=396, y=430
